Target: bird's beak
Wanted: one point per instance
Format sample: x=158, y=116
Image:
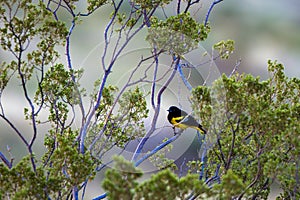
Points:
x=168, y=110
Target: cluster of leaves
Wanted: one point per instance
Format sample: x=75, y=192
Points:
x=58, y=83
x=141, y=11
x=59, y=93
x=21, y=182
x=225, y=48
x=230, y=187
x=23, y=21
x=150, y=4
x=64, y=163
x=94, y=4
x=194, y=166
x=177, y=34
x=5, y=75
x=63, y=170
x=124, y=125
x=255, y=127
x=121, y=182
x=71, y=5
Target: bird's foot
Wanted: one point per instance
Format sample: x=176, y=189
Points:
x=174, y=130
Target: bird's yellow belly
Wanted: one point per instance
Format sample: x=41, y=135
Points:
x=178, y=125
x=181, y=125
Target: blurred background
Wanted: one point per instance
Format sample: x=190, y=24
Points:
x=262, y=30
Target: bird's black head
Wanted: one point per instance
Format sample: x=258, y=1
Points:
x=174, y=109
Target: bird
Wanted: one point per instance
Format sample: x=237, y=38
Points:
x=180, y=119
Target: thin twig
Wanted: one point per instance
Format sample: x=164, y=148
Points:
x=235, y=68
x=210, y=9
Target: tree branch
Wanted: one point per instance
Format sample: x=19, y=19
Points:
x=210, y=9
x=156, y=113
x=68, y=54
x=156, y=149
x=229, y=157
x=185, y=81
x=5, y=160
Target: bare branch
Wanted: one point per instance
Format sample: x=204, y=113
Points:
x=156, y=149
x=156, y=113
x=5, y=160
x=210, y=9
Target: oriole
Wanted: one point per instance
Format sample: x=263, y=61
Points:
x=182, y=120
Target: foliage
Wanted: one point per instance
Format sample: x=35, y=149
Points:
x=66, y=163
x=21, y=182
x=177, y=34
x=256, y=127
x=257, y=142
x=95, y=4
x=121, y=127
x=225, y=48
x=63, y=169
x=230, y=186
x=151, y=4
x=121, y=183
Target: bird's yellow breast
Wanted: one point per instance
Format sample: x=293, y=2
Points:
x=176, y=122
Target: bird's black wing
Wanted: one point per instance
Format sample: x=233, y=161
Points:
x=190, y=121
